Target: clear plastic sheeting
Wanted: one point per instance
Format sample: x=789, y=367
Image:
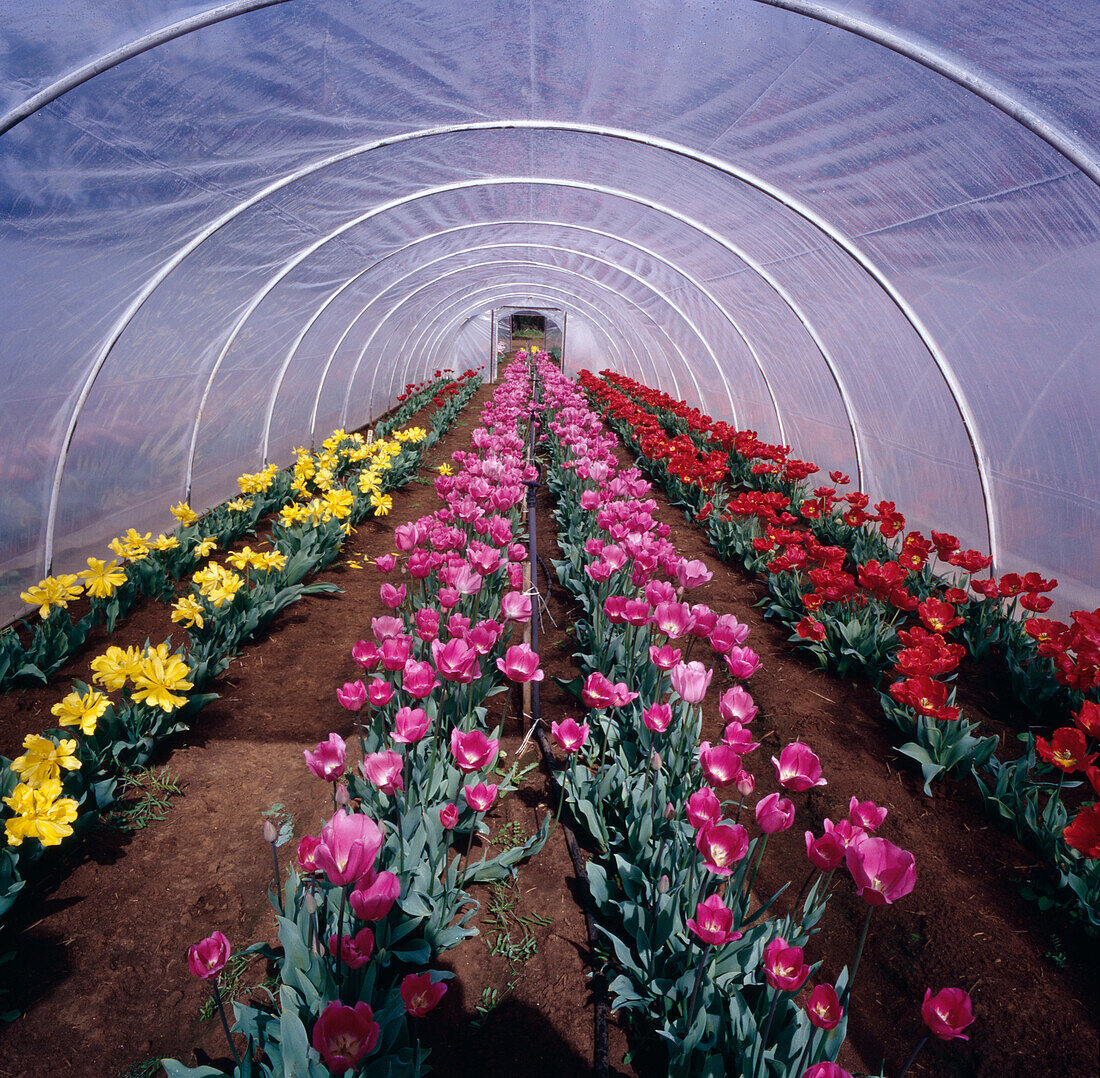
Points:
x=869, y=229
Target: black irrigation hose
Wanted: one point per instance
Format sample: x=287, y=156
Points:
x=601, y=1051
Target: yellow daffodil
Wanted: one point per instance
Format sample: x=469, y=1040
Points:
x=381, y=504
x=203, y=547
x=53, y=591
x=101, y=578
x=188, y=611
x=159, y=679
x=83, y=711
x=43, y=760
x=114, y=666
x=164, y=542
x=40, y=814
x=184, y=514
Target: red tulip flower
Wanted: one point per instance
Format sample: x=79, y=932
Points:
x=1083, y=832
x=420, y=994
x=1067, y=749
x=345, y=1035
x=823, y=1007
x=947, y=1013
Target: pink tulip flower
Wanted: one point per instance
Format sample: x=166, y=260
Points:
x=379, y=692
x=395, y=651
x=621, y=694
x=569, y=736
x=703, y=807
x=825, y=853
x=735, y=705
x=456, y=661
x=467, y=582
x=798, y=767
x=410, y=725
x=774, y=814
x=420, y=994
x=385, y=627
x=721, y=845
x=391, y=596
x=208, y=957
x=865, y=814
x=691, y=574
x=826, y=1069
x=353, y=951
x=727, y=633
x=427, y=624
x=657, y=717
x=352, y=695
x=720, y=764
x=520, y=664
x=745, y=782
x=882, y=872
x=345, y=1035
x=385, y=770
x=784, y=968
x=597, y=691
x=846, y=831
x=673, y=619
x=374, y=895
x=365, y=653
x=327, y=760
x=515, y=576
x=713, y=922
x=481, y=796
x=303, y=857
x=386, y=563
x=473, y=750
x=418, y=679
x=664, y=657
x=349, y=845
x=704, y=621
x=448, y=598
x=739, y=738
x=823, y=1007
x=742, y=662
x=690, y=681
x=407, y=536
x=636, y=612
x=448, y=816
x=947, y=1013
x=483, y=636
x=515, y=606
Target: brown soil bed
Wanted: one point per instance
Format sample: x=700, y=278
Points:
x=101, y=970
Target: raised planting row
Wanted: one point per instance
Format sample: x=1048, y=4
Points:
x=846, y=594
x=143, y=695
x=370, y=903
x=709, y=972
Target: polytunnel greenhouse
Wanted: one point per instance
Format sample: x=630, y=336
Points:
x=547, y=535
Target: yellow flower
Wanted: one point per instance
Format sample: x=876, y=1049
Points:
x=370, y=483
x=39, y=814
x=339, y=502
x=323, y=478
x=188, y=611
x=43, y=760
x=270, y=559
x=83, y=711
x=101, y=579
x=184, y=514
x=293, y=513
x=445, y=469
x=412, y=434
x=159, y=678
x=334, y=439
x=114, y=666
x=243, y=558
x=381, y=504
x=53, y=591
x=203, y=546
x=164, y=542
x=239, y=505
x=131, y=546
x=217, y=584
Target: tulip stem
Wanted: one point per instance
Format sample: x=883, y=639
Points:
x=859, y=955
x=225, y=1022
x=340, y=942
x=695, y=988
x=916, y=1052
x=768, y=1023
x=278, y=893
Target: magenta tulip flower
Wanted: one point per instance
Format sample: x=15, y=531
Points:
x=365, y=653
x=735, y=705
x=569, y=736
x=480, y=797
x=784, y=968
x=391, y=596
x=327, y=760
x=385, y=563
x=774, y=813
x=303, y=857
x=352, y=695
x=690, y=681
x=825, y=853
x=456, y=661
x=410, y=725
x=407, y=536
x=448, y=816
x=520, y=664
x=691, y=574
x=352, y=951
x=721, y=845
x=823, y=1007
x=798, y=767
x=636, y=612
x=385, y=627
x=394, y=651
x=349, y=845
x=882, y=872
x=657, y=717
x=374, y=895
x=846, y=831
x=208, y=957
x=473, y=750
x=420, y=994
x=865, y=814
x=673, y=619
x=947, y=1013
x=720, y=764
x=515, y=606
x=742, y=662
x=345, y=1035
x=597, y=691
x=427, y=624
x=664, y=657
x=826, y=1069
x=739, y=738
x=713, y=922
x=385, y=770
x=418, y=679
x=703, y=807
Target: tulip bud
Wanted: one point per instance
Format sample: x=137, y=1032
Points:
x=655, y=760
x=341, y=794
x=670, y=811
x=663, y=884
x=309, y=903
x=271, y=833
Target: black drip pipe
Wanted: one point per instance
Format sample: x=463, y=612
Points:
x=601, y=1053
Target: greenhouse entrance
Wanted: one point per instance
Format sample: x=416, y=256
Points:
x=541, y=328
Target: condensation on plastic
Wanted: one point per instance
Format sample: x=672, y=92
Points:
x=868, y=229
